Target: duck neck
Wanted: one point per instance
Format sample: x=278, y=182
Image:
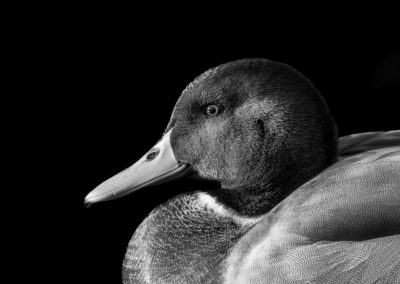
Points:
x=250, y=201
x=259, y=195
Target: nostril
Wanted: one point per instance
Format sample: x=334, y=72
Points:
x=154, y=153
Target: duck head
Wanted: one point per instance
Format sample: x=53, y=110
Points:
x=258, y=127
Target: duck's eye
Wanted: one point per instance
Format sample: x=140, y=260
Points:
x=212, y=110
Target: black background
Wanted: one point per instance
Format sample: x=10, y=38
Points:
x=107, y=85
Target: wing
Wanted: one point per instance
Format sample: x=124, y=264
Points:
x=362, y=142
x=342, y=226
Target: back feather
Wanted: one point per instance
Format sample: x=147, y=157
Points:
x=362, y=142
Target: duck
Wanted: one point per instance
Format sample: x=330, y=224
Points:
x=294, y=203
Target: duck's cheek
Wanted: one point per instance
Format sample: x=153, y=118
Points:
x=211, y=167
x=186, y=148
x=243, y=157
x=219, y=160
x=201, y=154
x=210, y=148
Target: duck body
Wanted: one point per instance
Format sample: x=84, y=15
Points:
x=184, y=241
x=343, y=226
x=295, y=205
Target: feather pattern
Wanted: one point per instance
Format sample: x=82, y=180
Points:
x=343, y=226
x=294, y=205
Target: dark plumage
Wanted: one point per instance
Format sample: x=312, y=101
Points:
x=260, y=147
x=269, y=133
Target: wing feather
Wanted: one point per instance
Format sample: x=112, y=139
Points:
x=342, y=226
x=362, y=142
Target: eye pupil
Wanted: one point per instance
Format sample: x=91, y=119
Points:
x=212, y=110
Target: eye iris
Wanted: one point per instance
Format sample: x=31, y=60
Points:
x=212, y=110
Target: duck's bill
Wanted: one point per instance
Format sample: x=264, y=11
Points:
x=157, y=166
